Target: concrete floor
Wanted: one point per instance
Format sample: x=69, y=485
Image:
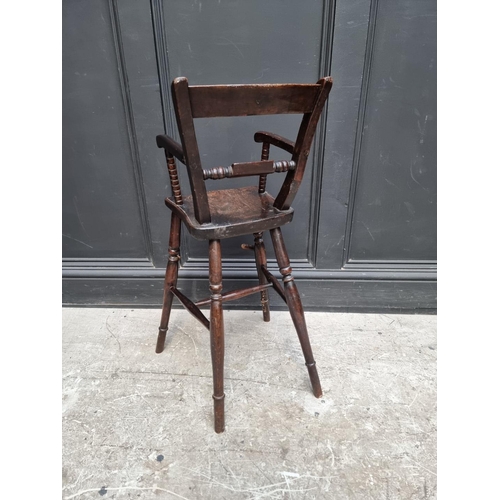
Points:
x=139, y=425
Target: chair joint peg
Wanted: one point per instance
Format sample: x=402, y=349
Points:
x=245, y=246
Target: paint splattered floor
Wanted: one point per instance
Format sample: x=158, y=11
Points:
x=138, y=425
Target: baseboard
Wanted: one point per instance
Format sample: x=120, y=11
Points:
x=319, y=293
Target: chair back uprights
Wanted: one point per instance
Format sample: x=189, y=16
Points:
x=208, y=101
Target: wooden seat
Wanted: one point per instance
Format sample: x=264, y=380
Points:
x=219, y=214
x=234, y=212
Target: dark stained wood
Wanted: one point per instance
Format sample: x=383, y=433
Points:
x=182, y=106
x=263, y=178
x=241, y=100
x=240, y=170
x=274, y=282
x=191, y=307
x=208, y=101
x=170, y=146
x=235, y=294
x=302, y=147
x=275, y=140
x=252, y=168
x=235, y=212
x=216, y=331
x=220, y=214
x=261, y=262
x=174, y=179
x=247, y=169
x=217, y=173
x=170, y=279
x=284, y=165
x=295, y=306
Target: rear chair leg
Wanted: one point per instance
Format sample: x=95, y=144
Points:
x=170, y=279
x=216, y=331
x=295, y=306
x=261, y=260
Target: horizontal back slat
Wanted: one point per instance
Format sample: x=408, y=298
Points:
x=209, y=101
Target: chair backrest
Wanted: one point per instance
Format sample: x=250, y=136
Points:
x=207, y=101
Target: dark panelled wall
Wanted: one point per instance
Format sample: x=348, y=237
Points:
x=364, y=234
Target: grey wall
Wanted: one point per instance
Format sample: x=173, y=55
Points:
x=364, y=234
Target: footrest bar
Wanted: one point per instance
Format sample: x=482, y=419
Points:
x=191, y=307
x=274, y=282
x=235, y=294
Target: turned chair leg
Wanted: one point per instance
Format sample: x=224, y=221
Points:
x=295, y=306
x=216, y=331
x=170, y=279
x=261, y=260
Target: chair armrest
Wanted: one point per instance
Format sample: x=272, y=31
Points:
x=275, y=140
x=170, y=146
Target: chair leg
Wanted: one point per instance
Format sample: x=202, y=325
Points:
x=216, y=331
x=261, y=260
x=295, y=306
x=170, y=279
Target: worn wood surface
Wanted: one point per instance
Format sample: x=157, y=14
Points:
x=235, y=212
x=185, y=125
x=174, y=179
x=170, y=279
x=274, y=140
x=295, y=306
x=276, y=284
x=263, y=177
x=236, y=294
x=216, y=331
x=261, y=263
x=241, y=169
x=247, y=169
x=302, y=147
x=247, y=100
x=191, y=307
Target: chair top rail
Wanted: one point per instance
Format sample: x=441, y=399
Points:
x=209, y=101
